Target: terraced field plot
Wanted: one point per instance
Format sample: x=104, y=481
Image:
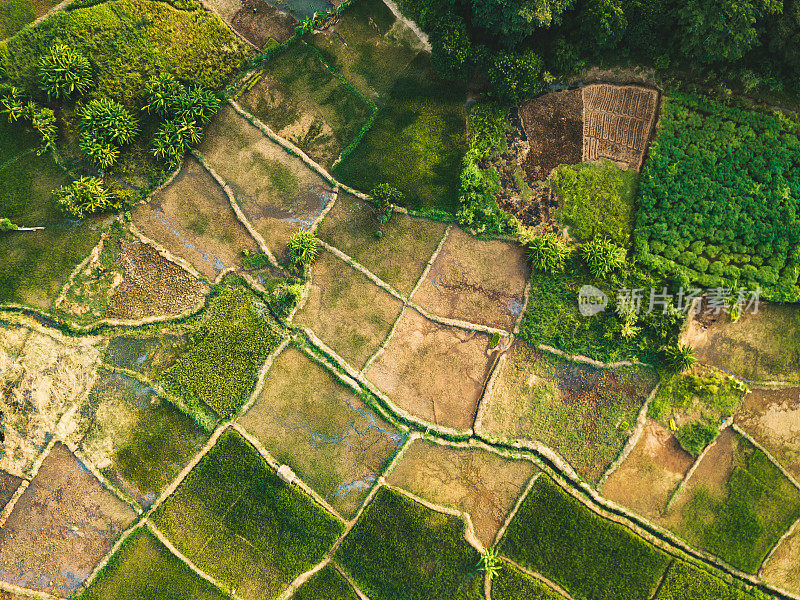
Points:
x=300, y=99
x=328, y=584
x=471, y=480
x=648, y=477
x=553, y=124
x=146, y=353
x=737, y=503
x=256, y=21
x=235, y=519
x=480, y=281
x=783, y=567
x=8, y=486
x=193, y=219
x=584, y=413
x=398, y=256
x=145, y=568
x=277, y=192
x=346, y=310
x=310, y=421
x=138, y=441
x=435, y=372
x=61, y=527
x=511, y=584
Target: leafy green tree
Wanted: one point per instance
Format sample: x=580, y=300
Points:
x=7, y=225
x=63, y=72
x=451, y=49
x=515, y=76
x=603, y=256
x=602, y=24
x=678, y=358
x=44, y=121
x=514, y=20
x=303, y=249
x=160, y=94
x=547, y=252
x=386, y=197
x=84, y=196
x=105, y=126
x=174, y=138
x=13, y=104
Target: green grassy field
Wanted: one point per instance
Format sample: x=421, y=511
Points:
x=687, y=582
x=416, y=142
x=590, y=557
x=144, y=569
x=401, y=550
x=513, y=584
x=240, y=523
x=328, y=584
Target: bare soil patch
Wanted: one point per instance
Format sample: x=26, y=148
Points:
x=553, y=124
x=152, y=285
x=149, y=355
x=758, y=347
x=617, y=123
x=650, y=474
x=61, y=527
x=475, y=481
x=43, y=392
x=276, y=191
x=783, y=569
x=310, y=421
x=255, y=20
x=584, y=413
x=772, y=417
x=481, y=281
x=398, y=256
x=346, y=310
x=193, y=219
x=8, y=485
x=434, y=371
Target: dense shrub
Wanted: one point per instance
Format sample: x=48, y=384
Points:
x=514, y=76
x=717, y=393
x=64, y=72
x=85, y=196
x=602, y=256
x=695, y=436
x=303, y=249
x=589, y=556
x=547, y=252
x=14, y=105
x=106, y=125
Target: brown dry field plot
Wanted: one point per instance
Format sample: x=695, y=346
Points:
x=8, y=485
x=553, y=124
x=651, y=473
x=435, y=372
x=584, y=413
x=303, y=101
x=61, y=527
x=276, y=191
x=772, y=417
x=480, y=281
x=758, y=347
x=472, y=480
x=148, y=355
x=310, y=421
x=43, y=387
x=255, y=20
x=398, y=257
x=193, y=219
x=783, y=567
x=138, y=441
x=152, y=285
x=617, y=123
x=346, y=310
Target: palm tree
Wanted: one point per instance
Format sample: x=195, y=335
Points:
x=490, y=563
x=63, y=71
x=303, y=248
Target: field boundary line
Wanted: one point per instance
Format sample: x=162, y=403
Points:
x=166, y=253
x=122, y=496
x=26, y=592
x=663, y=578
x=423, y=37
x=469, y=529
x=262, y=244
x=93, y=255
x=262, y=377
x=633, y=440
x=772, y=459
x=526, y=297
x=431, y=260
x=385, y=342
x=786, y=535
x=513, y=513
x=318, y=221
x=274, y=464
x=585, y=359
x=298, y=581
x=209, y=7
x=137, y=523
x=19, y=155
x=361, y=595
x=363, y=270
x=488, y=386
x=151, y=527
x=538, y=576
x=684, y=482
x=26, y=482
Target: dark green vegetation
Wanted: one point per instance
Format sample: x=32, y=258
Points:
x=235, y=519
x=590, y=557
x=687, y=582
x=401, y=550
x=143, y=568
x=15, y=14
x=512, y=584
x=328, y=584
x=554, y=318
x=416, y=142
x=718, y=203
x=741, y=528
x=596, y=200
x=227, y=347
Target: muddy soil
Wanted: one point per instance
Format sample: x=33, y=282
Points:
x=257, y=22
x=783, y=569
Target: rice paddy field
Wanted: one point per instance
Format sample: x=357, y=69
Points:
x=249, y=380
